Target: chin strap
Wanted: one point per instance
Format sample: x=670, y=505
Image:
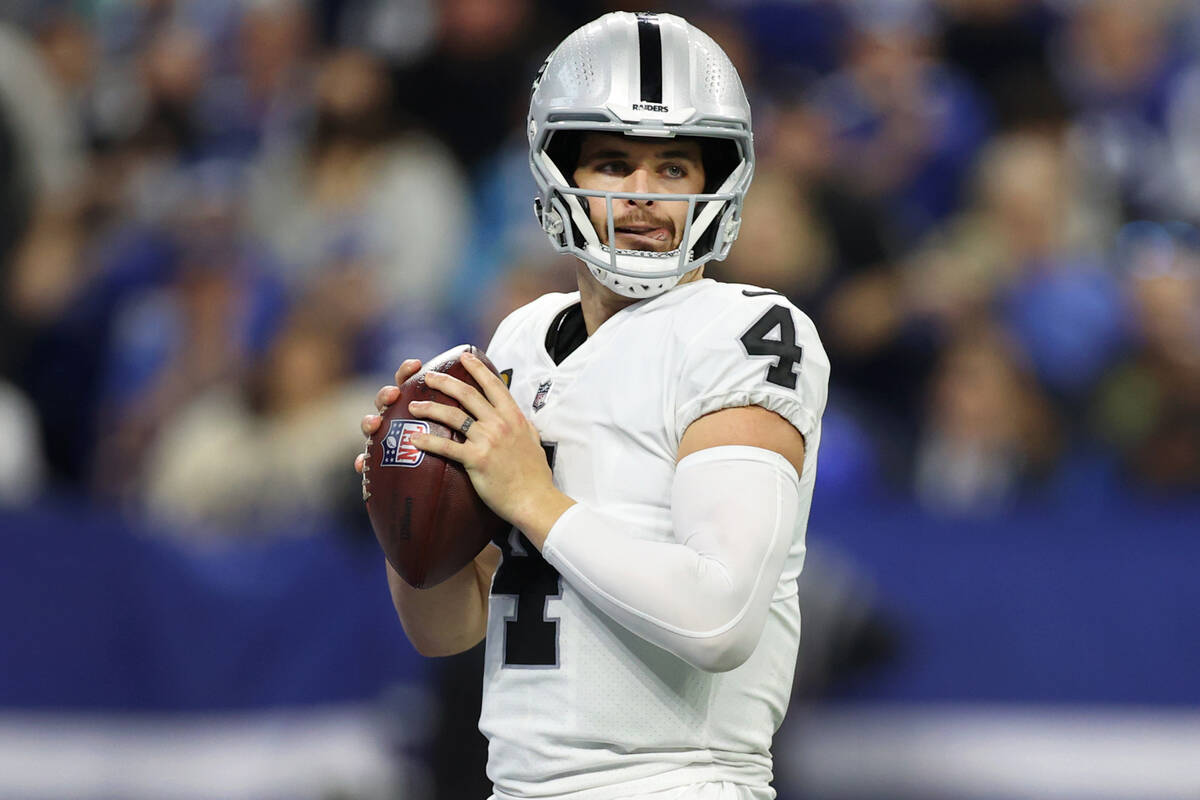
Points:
x=578, y=215
x=713, y=207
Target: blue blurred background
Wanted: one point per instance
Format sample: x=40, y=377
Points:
x=223, y=223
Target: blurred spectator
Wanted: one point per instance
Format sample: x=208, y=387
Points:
x=16, y=199
x=1000, y=45
x=1119, y=67
x=987, y=430
x=22, y=465
x=190, y=311
x=47, y=267
x=1149, y=405
x=472, y=89
x=42, y=167
x=175, y=70
x=501, y=232
x=1027, y=248
x=268, y=448
x=207, y=80
x=48, y=132
x=267, y=101
x=46, y=275
x=906, y=125
x=399, y=30
x=796, y=40
x=360, y=185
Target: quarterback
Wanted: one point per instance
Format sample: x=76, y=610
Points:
x=654, y=447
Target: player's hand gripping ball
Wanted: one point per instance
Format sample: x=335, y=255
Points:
x=427, y=516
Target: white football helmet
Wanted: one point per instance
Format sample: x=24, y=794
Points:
x=645, y=75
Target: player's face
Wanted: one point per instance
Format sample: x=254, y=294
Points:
x=618, y=163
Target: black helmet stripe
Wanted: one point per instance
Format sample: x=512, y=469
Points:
x=650, y=49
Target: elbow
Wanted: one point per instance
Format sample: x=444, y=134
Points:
x=439, y=641
x=721, y=653
x=435, y=648
x=730, y=643
x=428, y=647
x=727, y=644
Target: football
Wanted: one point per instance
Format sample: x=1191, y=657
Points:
x=426, y=515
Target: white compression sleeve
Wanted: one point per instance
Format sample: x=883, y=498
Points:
x=704, y=596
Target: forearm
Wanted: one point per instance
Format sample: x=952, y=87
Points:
x=452, y=616
x=704, y=596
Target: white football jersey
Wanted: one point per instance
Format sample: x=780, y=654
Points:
x=574, y=705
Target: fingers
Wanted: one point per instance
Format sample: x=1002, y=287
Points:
x=468, y=396
x=359, y=460
x=407, y=370
x=370, y=423
x=495, y=390
x=451, y=417
x=386, y=396
x=441, y=446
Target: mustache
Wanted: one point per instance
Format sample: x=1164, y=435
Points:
x=640, y=220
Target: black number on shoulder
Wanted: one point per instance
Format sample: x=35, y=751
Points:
x=530, y=638
x=784, y=350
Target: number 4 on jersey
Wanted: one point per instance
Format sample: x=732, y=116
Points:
x=784, y=350
x=530, y=636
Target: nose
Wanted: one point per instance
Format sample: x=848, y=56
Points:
x=638, y=181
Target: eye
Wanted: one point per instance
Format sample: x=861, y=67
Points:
x=613, y=167
x=674, y=171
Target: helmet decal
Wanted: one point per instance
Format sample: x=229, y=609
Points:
x=650, y=58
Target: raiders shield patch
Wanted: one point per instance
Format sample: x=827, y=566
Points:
x=398, y=449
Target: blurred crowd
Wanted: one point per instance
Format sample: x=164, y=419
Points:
x=223, y=223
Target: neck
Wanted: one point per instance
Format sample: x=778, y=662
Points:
x=599, y=302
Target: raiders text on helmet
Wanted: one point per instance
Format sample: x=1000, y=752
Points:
x=645, y=75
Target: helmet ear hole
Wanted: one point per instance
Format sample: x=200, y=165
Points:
x=721, y=158
x=564, y=148
x=571, y=231
x=720, y=234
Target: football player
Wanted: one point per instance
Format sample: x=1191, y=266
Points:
x=654, y=449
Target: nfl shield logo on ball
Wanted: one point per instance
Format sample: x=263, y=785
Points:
x=539, y=399
x=398, y=449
